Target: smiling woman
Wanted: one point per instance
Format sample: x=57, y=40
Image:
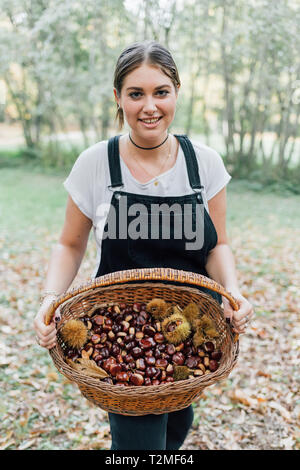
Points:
x=151, y=172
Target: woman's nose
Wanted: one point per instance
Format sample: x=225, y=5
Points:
x=149, y=105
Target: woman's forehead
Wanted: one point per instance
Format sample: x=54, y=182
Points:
x=146, y=76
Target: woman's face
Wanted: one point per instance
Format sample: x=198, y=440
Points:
x=148, y=99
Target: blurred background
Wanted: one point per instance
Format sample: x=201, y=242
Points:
x=239, y=63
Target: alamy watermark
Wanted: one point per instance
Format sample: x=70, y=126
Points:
x=154, y=221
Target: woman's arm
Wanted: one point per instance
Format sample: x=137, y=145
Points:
x=64, y=263
x=220, y=264
x=67, y=254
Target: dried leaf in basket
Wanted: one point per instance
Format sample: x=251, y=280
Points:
x=88, y=367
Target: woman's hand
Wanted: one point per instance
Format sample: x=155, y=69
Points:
x=239, y=318
x=46, y=335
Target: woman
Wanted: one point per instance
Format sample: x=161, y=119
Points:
x=145, y=168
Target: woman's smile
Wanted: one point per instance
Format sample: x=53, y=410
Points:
x=150, y=123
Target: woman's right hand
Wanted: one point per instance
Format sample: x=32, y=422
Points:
x=46, y=335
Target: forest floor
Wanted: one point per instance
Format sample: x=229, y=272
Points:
x=256, y=407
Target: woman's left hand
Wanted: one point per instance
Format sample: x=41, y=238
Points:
x=240, y=318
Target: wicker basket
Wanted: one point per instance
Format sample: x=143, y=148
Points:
x=120, y=287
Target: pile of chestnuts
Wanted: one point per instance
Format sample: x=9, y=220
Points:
x=127, y=342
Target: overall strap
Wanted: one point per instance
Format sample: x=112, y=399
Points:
x=114, y=162
x=191, y=162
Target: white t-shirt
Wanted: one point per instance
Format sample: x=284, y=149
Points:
x=88, y=182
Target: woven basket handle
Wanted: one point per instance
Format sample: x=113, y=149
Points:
x=158, y=274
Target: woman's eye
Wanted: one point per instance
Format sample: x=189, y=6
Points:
x=135, y=94
x=162, y=92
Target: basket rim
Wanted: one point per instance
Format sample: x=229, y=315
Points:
x=161, y=389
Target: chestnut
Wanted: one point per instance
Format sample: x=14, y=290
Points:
x=140, y=364
x=125, y=325
x=116, y=328
x=105, y=352
x=170, y=379
x=213, y=365
x=144, y=314
x=97, y=330
x=165, y=356
x=155, y=382
x=137, y=352
x=95, y=339
x=115, y=349
x=188, y=351
x=145, y=343
x=198, y=373
x=103, y=338
x=152, y=340
x=131, y=364
x=107, y=363
x=148, y=353
x=115, y=369
x=178, y=358
x=192, y=362
x=170, y=369
x=99, y=320
x=151, y=371
x=206, y=361
x=161, y=363
x=108, y=380
x=150, y=360
x=130, y=345
x=216, y=355
x=140, y=321
x=170, y=349
x=159, y=338
x=137, y=379
x=136, y=307
x=209, y=347
x=157, y=354
x=148, y=330
x=128, y=358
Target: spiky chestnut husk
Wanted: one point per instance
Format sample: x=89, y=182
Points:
x=181, y=331
x=181, y=373
x=74, y=333
x=158, y=308
x=206, y=322
x=198, y=338
x=211, y=333
x=191, y=313
x=205, y=330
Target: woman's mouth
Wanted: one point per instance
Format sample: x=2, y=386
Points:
x=150, y=122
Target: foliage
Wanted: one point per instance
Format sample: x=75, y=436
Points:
x=239, y=63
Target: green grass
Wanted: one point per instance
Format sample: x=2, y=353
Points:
x=30, y=201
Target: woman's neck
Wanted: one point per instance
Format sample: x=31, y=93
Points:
x=162, y=144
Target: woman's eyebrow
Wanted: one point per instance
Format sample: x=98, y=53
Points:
x=140, y=89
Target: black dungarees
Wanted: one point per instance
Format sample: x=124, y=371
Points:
x=120, y=252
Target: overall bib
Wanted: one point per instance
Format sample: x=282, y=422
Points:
x=154, y=249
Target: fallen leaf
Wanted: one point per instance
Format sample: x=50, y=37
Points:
x=283, y=411
x=26, y=444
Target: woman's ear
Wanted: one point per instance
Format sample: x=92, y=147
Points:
x=116, y=97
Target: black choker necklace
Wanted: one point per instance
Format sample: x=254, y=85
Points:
x=148, y=148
